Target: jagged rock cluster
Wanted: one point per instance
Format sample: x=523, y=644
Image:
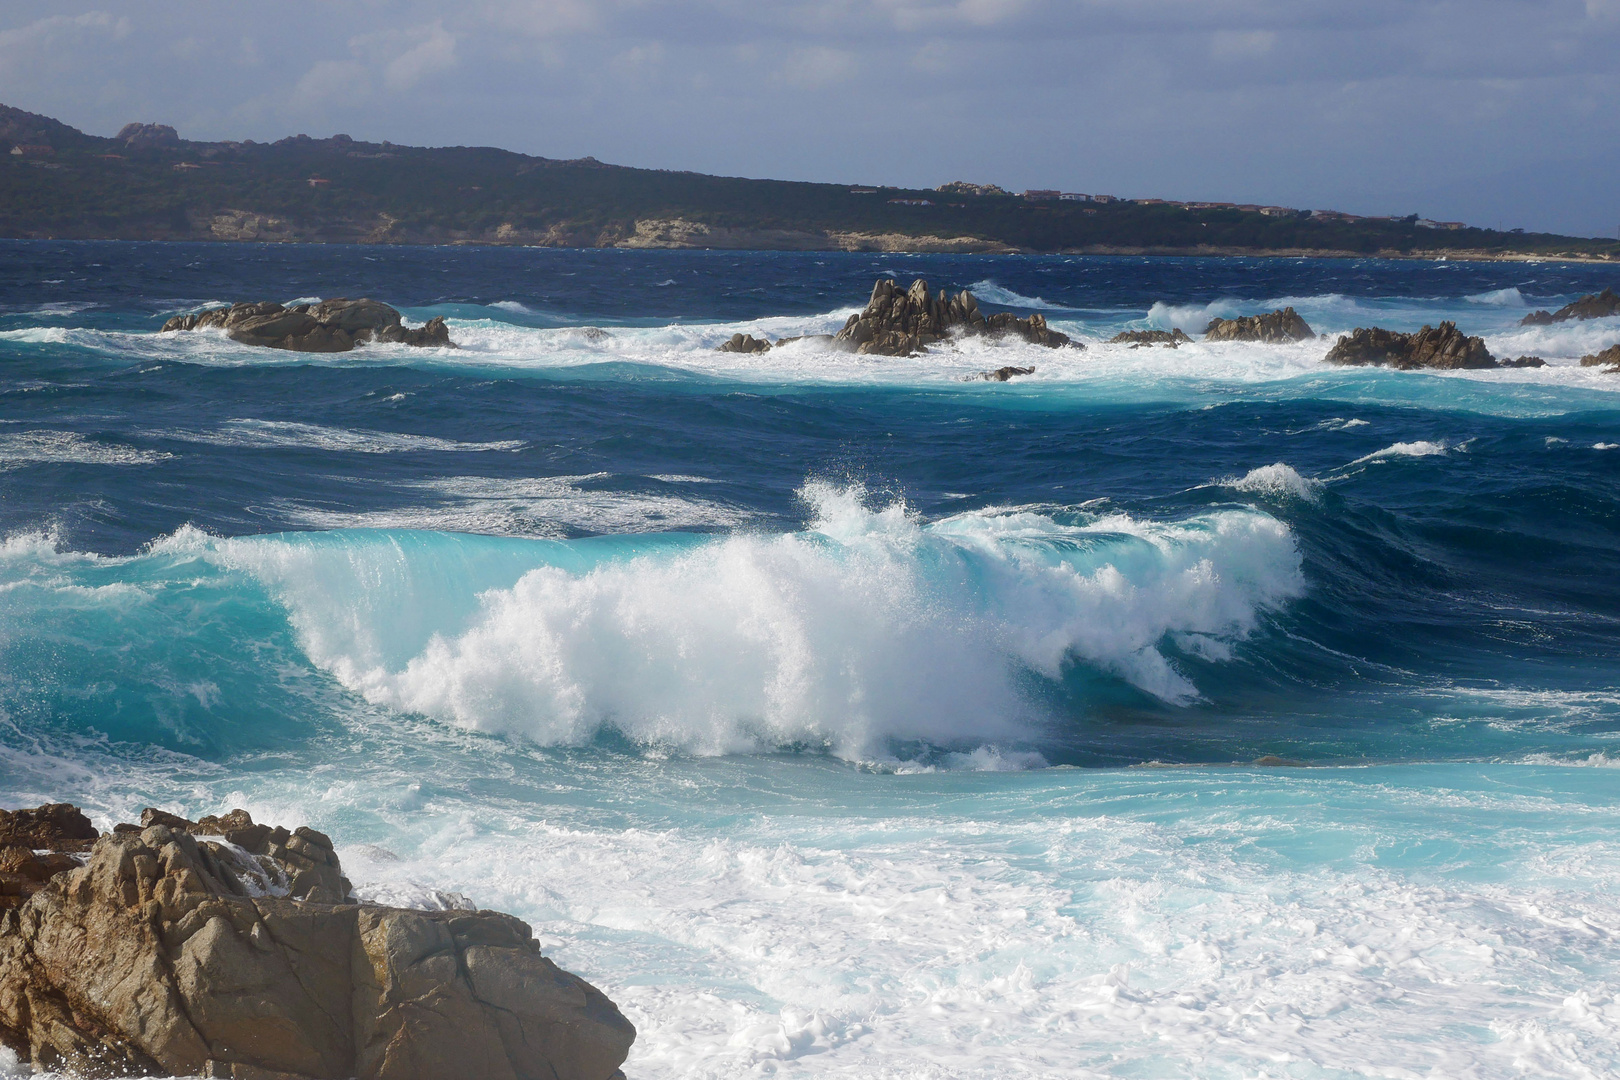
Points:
x=1593, y=306
x=36, y=845
x=329, y=326
x=902, y=322
x=1443, y=347
x=1278, y=327
x=224, y=948
x=1137, y=339
x=1609, y=359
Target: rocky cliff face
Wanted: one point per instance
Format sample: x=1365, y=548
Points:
x=329, y=326
x=1278, y=327
x=226, y=948
x=1443, y=347
x=903, y=323
x=1594, y=306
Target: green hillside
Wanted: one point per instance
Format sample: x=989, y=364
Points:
x=58, y=182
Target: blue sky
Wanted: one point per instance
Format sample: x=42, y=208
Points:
x=1494, y=112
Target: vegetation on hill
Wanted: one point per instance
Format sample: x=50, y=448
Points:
x=148, y=184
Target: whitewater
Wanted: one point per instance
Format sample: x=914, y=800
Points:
x=1203, y=712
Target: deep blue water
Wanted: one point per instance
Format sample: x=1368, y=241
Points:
x=554, y=579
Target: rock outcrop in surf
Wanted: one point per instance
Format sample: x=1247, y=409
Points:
x=1000, y=374
x=226, y=948
x=328, y=326
x=1592, y=306
x=1280, y=327
x=900, y=322
x=745, y=343
x=1443, y=347
x=1138, y=339
x=1609, y=359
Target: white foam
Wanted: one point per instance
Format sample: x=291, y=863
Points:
x=1605, y=445
x=1048, y=924
x=989, y=292
x=1508, y=297
x=284, y=434
x=859, y=632
x=45, y=446
x=1598, y=760
x=552, y=507
x=513, y=305
x=1417, y=448
x=1276, y=480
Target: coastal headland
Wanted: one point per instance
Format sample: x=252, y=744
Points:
x=147, y=183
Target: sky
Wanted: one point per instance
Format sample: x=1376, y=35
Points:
x=1501, y=113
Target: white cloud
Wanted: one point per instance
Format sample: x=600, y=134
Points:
x=1241, y=44
x=544, y=18
x=43, y=35
x=434, y=52
x=330, y=82
x=816, y=66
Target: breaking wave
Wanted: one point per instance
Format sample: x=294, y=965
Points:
x=869, y=629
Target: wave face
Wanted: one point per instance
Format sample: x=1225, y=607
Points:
x=839, y=716
x=868, y=631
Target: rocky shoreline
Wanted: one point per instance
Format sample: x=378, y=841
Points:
x=226, y=948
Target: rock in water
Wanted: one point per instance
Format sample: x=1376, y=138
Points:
x=897, y=323
x=745, y=343
x=329, y=326
x=1136, y=339
x=1273, y=328
x=1593, y=306
x=228, y=949
x=1001, y=374
x=1444, y=347
x=1608, y=358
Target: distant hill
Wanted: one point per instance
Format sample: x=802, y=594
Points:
x=149, y=184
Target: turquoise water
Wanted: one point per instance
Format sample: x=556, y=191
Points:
x=839, y=717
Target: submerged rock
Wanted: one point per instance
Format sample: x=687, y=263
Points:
x=903, y=323
x=1273, y=328
x=1609, y=358
x=1001, y=374
x=1523, y=361
x=1443, y=347
x=1592, y=306
x=1136, y=339
x=225, y=948
x=329, y=326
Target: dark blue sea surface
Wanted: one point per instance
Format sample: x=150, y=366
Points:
x=586, y=573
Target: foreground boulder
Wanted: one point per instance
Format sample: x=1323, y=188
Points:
x=1443, y=347
x=1137, y=339
x=1609, y=358
x=1593, y=306
x=1278, y=327
x=329, y=326
x=903, y=322
x=224, y=948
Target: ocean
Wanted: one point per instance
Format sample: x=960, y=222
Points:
x=1203, y=712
